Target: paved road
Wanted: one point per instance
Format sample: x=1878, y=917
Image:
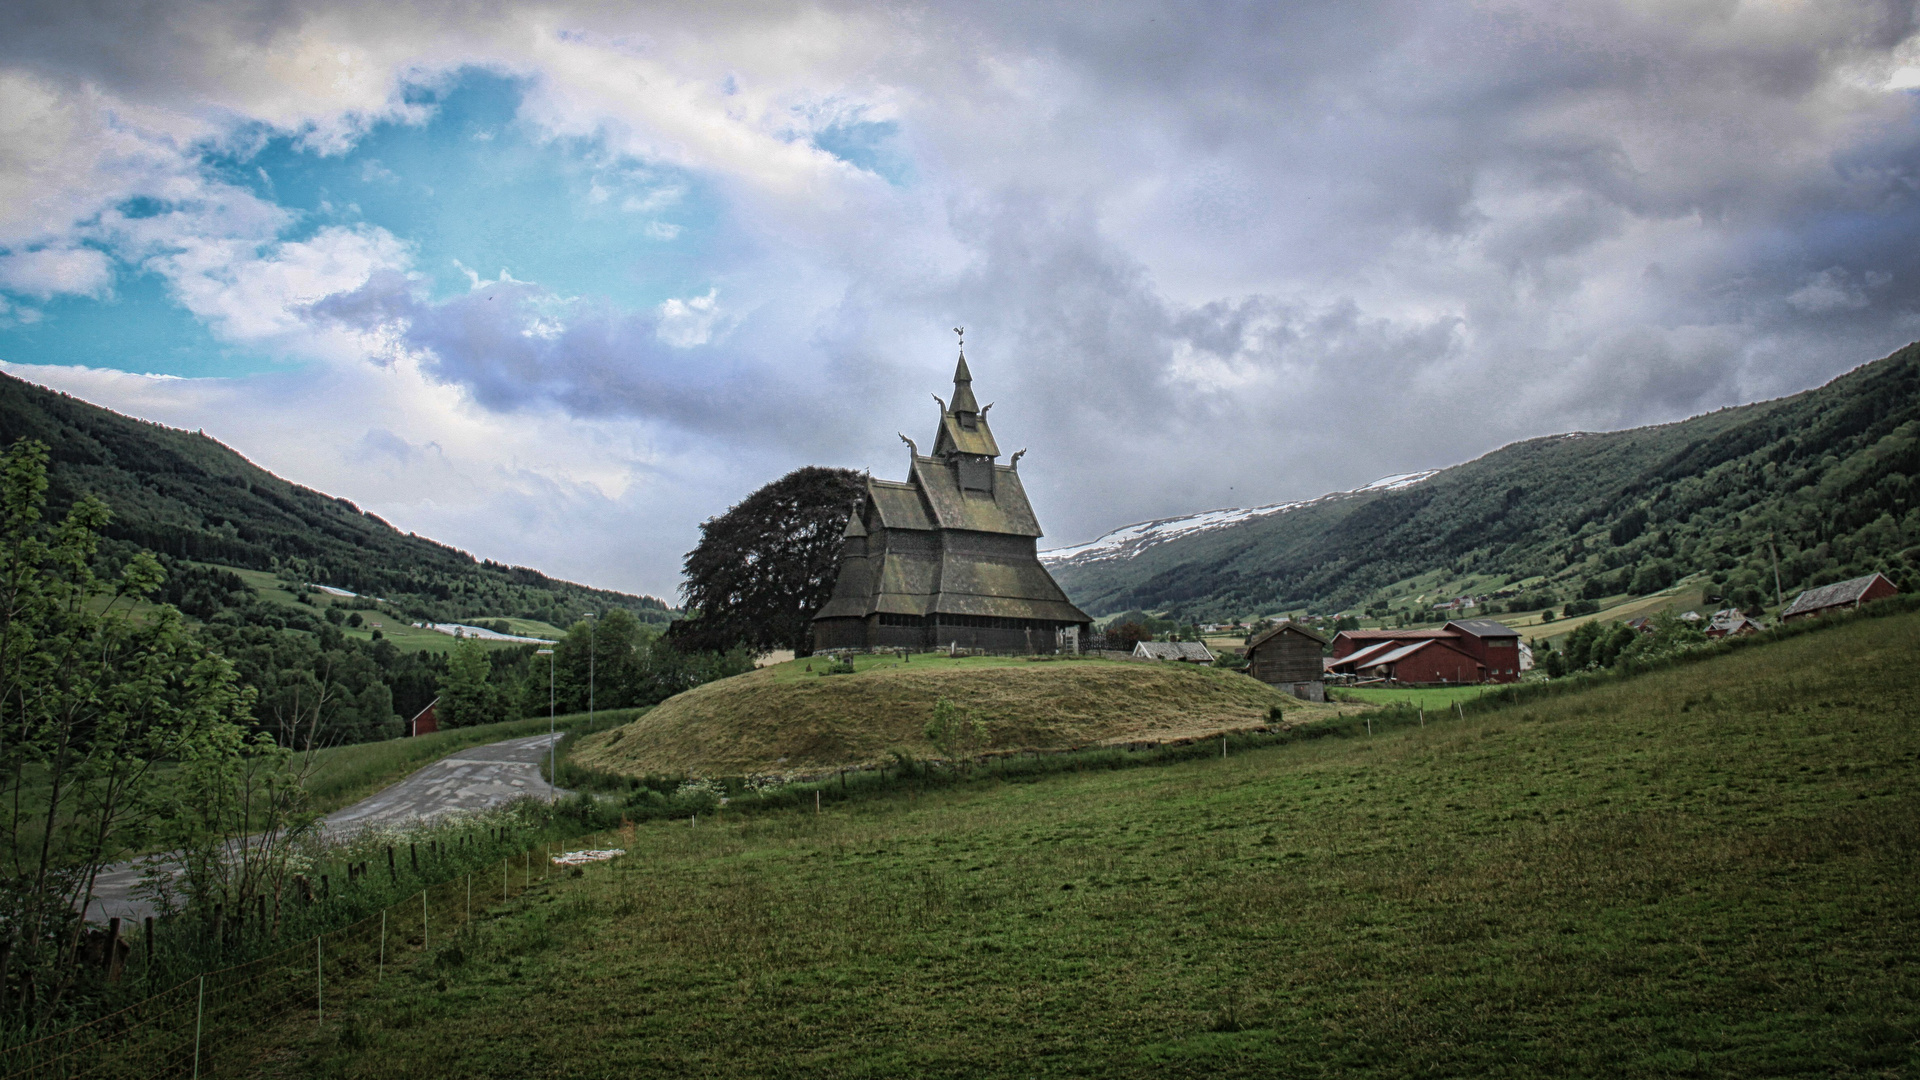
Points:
x=476, y=778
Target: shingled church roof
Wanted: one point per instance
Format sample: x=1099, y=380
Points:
x=955, y=538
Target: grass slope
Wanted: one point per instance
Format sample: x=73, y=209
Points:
x=787, y=719
x=1706, y=871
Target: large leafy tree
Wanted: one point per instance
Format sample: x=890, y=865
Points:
x=763, y=568
x=97, y=700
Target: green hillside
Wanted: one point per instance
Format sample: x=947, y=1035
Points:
x=189, y=497
x=1705, y=871
x=1828, y=473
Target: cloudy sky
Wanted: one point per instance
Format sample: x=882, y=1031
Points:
x=554, y=282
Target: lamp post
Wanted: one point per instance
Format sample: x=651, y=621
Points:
x=553, y=751
x=590, y=643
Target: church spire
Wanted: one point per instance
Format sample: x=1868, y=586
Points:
x=963, y=401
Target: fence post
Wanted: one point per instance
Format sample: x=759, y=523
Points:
x=199, y=1020
x=149, y=939
x=423, y=920
x=383, y=944
x=469, y=898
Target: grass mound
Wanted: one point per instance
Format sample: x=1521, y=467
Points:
x=789, y=719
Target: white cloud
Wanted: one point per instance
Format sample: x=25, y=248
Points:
x=689, y=322
x=48, y=272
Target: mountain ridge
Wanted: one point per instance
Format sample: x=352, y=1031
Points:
x=1819, y=470
x=186, y=495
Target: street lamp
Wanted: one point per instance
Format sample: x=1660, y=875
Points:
x=590, y=643
x=553, y=751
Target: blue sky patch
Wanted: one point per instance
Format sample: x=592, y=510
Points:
x=872, y=145
x=473, y=190
x=141, y=329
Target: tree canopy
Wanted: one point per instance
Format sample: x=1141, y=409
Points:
x=763, y=568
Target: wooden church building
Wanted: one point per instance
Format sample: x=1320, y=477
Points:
x=948, y=557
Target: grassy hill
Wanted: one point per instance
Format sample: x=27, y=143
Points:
x=1706, y=871
x=191, y=498
x=788, y=719
x=1829, y=474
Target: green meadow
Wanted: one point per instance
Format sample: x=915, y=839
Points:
x=1709, y=870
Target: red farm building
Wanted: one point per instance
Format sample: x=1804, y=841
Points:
x=1839, y=596
x=1462, y=651
x=426, y=721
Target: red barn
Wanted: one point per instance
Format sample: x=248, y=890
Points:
x=426, y=721
x=1491, y=651
x=1432, y=660
x=1840, y=596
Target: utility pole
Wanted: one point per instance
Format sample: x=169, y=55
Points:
x=591, y=626
x=553, y=759
x=1778, y=597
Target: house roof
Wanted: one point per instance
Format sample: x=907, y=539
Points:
x=1373, y=651
x=1174, y=650
x=1483, y=628
x=1826, y=596
x=1395, y=655
x=1303, y=631
x=1730, y=619
x=1390, y=635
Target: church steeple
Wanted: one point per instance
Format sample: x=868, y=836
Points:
x=963, y=401
x=963, y=434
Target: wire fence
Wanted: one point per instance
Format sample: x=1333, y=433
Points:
x=205, y=1025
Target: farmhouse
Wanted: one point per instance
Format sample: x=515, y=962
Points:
x=1287, y=657
x=1491, y=649
x=1191, y=651
x=1839, y=596
x=1731, y=622
x=947, y=558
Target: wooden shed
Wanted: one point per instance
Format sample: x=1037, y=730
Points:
x=426, y=721
x=1287, y=657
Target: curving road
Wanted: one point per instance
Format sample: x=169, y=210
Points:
x=477, y=778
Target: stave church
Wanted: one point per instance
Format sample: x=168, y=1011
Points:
x=949, y=558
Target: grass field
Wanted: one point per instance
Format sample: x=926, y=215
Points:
x=790, y=718
x=1706, y=871
x=1432, y=698
x=344, y=775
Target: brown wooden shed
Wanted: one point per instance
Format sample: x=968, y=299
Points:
x=1287, y=657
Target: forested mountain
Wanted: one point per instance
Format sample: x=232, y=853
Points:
x=1827, y=474
x=188, y=496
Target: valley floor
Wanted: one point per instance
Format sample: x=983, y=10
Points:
x=1707, y=871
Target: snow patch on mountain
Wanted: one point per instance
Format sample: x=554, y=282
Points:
x=1127, y=542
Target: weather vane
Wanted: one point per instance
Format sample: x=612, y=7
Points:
x=962, y=331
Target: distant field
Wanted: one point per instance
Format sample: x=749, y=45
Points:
x=404, y=635
x=346, y=774
x=1706, y=871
